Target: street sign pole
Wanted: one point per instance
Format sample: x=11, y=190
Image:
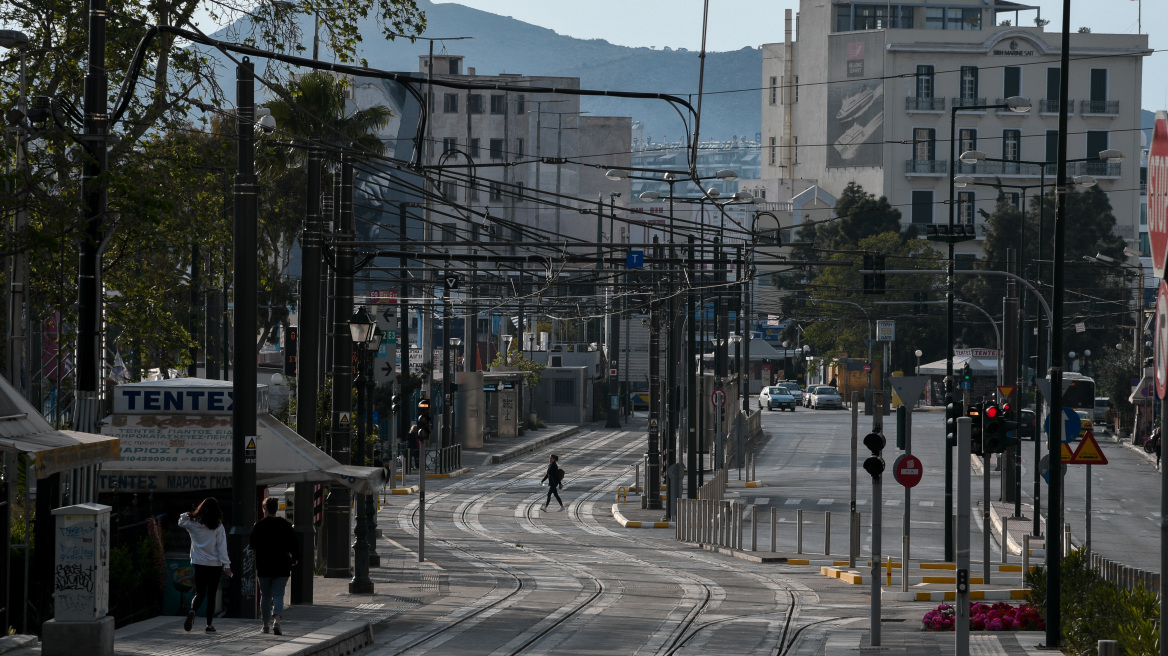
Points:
x=853, y=528
x=877, y=503
x=906, y=530
x=962, y=537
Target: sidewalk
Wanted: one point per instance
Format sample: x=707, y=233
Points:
x=502, y=449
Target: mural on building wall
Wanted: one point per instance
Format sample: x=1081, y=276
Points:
x=855, y=99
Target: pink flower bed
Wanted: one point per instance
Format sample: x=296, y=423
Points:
x=984, y=617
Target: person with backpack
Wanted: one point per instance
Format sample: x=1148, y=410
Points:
x=208, y=555
x=555, y=478
x=277, y=551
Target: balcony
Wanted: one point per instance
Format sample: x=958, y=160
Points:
x=999, y=168
x=969, y=102
x=915, y=104
x=926, y=167
x=1006, y=111
x=1094, y=169
x=1099, y=107
x=1051, y=106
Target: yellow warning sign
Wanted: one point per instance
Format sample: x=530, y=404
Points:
x=1067, y=456
x=344, y=419
x=251, y=444
x=1089, y=452
x=1005, y=390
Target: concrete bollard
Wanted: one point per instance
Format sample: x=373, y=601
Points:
x=799, y=531
x=827, y=533
x=741, y=510
x=774, y=529
x=1108, y=648
x=1025, y=556
x=1005, y=537
x=754, y=528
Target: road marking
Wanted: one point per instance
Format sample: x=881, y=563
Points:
x=892, y=502
x=793, y=502
x=826, y=502
x=927, y=504
x=761, y=501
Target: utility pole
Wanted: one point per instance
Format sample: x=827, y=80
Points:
x=308, y=372
x=653, y=475
x=243, y=417
x=692, y=443
x=1011, y=462
x=94, y=196
x=337, y=505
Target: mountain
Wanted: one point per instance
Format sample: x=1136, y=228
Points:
x=501, y=44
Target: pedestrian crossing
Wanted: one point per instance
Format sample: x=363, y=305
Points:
x=803, y=502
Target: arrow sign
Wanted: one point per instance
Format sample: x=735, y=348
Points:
x=908, y=388
x=387, y=369
x=1088, y=452
x=1071, y=424
x=388, y=314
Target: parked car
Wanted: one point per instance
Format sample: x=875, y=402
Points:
x=794, y=391
x=776, y=397
x=807, y=395
x=826, y=396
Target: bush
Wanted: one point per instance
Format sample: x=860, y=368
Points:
x=984, y=617
x=1093, y=609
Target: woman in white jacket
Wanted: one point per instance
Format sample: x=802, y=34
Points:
x=208, y=555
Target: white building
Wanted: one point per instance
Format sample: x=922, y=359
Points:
x=864, y=91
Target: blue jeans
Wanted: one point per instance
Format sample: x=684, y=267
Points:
x=272, y=589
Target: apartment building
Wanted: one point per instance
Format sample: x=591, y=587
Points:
x=863, y=92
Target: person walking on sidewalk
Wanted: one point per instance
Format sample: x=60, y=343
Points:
x=277, y=551
x=208, y=555
x=554, y=477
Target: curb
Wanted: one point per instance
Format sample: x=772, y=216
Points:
x=412, y=489
x=14, y=642
x=744, y=484
x=751, y=556
x=334, y=640
x=951, y=595
x=620, y=518
x=532, y=446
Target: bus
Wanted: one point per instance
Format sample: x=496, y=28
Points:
x=1079, y=393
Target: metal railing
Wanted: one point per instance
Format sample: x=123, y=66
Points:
x=1104, y=107
x=970, y=102
x=709, y=521
x=1051, y=106
x=927, y=166
x=438, y=461
x=715, y=488
x=913, y=103
x=999, y=168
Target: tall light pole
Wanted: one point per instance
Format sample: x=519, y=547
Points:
x=361, y=327
x=1014, y=104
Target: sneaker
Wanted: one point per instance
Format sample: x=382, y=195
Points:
x=276, y=629
x=561, y=508
x=189, y=621
x=543, y=507
x=210, y=629
x=265, y=628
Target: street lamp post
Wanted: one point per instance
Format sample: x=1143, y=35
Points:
x=1014, y=104
x=918, y=353
x=371, y=349
x=361, y=327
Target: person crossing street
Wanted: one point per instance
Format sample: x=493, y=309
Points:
x=555, y=478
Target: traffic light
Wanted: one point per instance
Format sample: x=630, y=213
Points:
x=874, y=465
x=975, y=412
x=424, y=425
x=1010, y=429
x=879, y=282
x=991, y=429
x=395, y=404
x=952, y=412
x=966, y=375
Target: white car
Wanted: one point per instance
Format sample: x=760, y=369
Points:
x=826, y=396
x=808, y=394
x=776, y=397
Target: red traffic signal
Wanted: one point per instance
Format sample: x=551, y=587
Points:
x=992, y=412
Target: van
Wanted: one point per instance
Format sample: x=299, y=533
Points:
x=1102, y=405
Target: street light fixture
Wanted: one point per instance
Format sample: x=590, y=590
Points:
x=918, y=353
x=361, y=326
x=361, y=329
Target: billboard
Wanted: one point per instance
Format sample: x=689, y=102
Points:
x=855, y=99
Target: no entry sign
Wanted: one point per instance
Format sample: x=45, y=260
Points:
x=1158, y=194
x=907, y=470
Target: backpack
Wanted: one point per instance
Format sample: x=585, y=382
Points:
x=559, y=476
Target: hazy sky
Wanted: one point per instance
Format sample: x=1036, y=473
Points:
x=737, y=23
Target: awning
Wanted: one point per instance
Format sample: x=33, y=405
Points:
x=24, y=430
x=978, y=365
x=191, y=452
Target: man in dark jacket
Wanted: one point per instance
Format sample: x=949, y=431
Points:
x=277, y=551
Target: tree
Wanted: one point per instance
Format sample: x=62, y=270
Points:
x=1114, y=372
x=859, y=214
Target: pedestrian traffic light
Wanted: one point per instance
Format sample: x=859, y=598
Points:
x=424, y=425
x=395, y=404
x=952, y=412
x=975, y=412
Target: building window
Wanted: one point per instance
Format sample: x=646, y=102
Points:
x=796, y=89
x=773, y=149
x=453, y=66
x=962, y=19
x=519, y=148
x=449, y=144
x=450, y=191
x=966, y=140
x=843, y=18
x=1012, y=145
x=965, y=207
x=934, y=18
x=519, y=191
x=521, y=104
x=1011, y=81
x=1096, y=141
x=922, y=206
x=498, y=103
x=1098, y=85
x=496, y=191
x=496, y=149
x=565, y=392
x=1051, y=146
x=476, y=232
x=474, y=103
x=450, y=103
x=925, y=81
x=924, y=144
x=774, y=90
x=449, y=234
x=1013, y=199
x=969, y=83
x=474, y=148
x=1145, y=245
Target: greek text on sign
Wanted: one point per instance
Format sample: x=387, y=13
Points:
x=1088, y=452
x=182, y=396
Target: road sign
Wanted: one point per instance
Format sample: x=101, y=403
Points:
x=1071, y=423
x=635, y=259
x=383, y=296
x=612, y=372
x=1044, y=468
x=907, y=470
x=1158, y=194
x=1006, y=391
x=885, y=330
x=388, y=314
x=1161, y=347
x=249, y=451
x=718, y=397
x=652, y=423
x=908, y=388
x=867, y=368
x=451, y=282
x=1089, y=452
x=343, y=419
x=1065, y=454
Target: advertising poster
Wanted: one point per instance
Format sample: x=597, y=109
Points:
x=855, y=99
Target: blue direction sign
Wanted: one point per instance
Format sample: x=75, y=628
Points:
x=635, y=259
x=1071, y=423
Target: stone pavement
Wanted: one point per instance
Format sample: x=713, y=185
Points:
x=502, y=449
